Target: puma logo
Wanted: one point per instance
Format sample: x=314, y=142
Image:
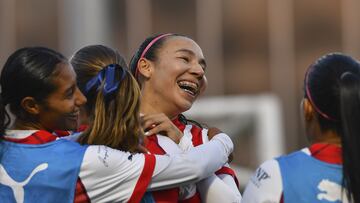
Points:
x=331, y=192
x=18, y=187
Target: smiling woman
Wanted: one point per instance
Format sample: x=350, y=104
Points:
x=47, y=91
x=170, y=70
x=171, y=76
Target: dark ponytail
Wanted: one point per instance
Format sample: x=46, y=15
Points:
x=4, y=118
x=332, y=85
x=350, y=114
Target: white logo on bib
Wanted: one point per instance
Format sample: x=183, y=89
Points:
x=18, y=187
x=331, y=192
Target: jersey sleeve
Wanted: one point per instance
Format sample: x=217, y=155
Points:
x=190, y=166
x=110, y=175
x=229, y=181
x=213, y=190
x=265, y=185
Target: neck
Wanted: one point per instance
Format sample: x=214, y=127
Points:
x=151, y=104
x=22, y=125
x=329, y=137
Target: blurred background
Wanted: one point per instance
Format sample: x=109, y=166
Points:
x=257, y=52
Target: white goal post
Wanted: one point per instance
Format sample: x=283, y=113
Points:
x=232, y=113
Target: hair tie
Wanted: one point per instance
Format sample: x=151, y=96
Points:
x=111, y=82
x=147, y=48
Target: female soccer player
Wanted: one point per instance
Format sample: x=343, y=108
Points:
x=170, y=70
x=111, y=115
x=328, y=170
x=39, y=86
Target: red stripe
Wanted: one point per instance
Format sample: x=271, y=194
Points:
x=38, y=137
x=194, y=199
x=152, y=144
x=196, y=135
x=62, y=133
x=169, y=195
x=81, y=195
x=228, y=171
x=181, y=126
x=144, y=179
x=82, y=128
x=166, y=196
x=282, y=198
x=328, y=153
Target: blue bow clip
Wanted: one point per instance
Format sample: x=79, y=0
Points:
x=111, y=82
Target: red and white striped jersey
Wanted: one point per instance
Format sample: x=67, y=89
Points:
x=109, y=175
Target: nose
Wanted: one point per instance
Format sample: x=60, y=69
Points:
x=80, y=99
x=198, y=71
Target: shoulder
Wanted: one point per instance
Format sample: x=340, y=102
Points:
x=105, y=161
x=108, y=173
x=265, y=185
x=197, y=134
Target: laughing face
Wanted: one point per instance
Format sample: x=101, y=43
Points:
x=178, y=76
x=60, y=110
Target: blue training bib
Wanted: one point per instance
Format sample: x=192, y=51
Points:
x=39, y=173
x=306, y=179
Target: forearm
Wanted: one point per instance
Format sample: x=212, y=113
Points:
x=191, y=166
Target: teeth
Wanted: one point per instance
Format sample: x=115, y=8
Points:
x=189, y=87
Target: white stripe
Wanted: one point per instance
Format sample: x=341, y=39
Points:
x=169, y=146
x=19, y=134
x=204, y=133
x=306, y=151
x=187, y=132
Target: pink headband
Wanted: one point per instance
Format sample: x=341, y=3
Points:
x=310, y=98
x=148, y=47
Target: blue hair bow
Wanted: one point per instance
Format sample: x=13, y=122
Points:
x=108, y=74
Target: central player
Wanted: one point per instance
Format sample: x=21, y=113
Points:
x=170, y=70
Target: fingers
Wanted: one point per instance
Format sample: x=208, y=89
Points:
x=161, y=124
x=156, y=129
x=169, y=131
x=150, y=121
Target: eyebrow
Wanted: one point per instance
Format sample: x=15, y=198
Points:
x=202, y=61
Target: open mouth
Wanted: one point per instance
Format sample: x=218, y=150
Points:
x=189, y=87
x=73, y=116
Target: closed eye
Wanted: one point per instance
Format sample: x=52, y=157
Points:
x=70, y=92
x=185, y=59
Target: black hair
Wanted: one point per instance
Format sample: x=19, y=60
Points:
x=187, y=121
x=332, y=85
x=151, y=53
x=27, y=72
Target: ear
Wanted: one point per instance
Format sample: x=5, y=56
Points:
x=30, y=105
x=145, y=68
x=309, y=111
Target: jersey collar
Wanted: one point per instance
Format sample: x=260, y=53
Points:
x=325, y=152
